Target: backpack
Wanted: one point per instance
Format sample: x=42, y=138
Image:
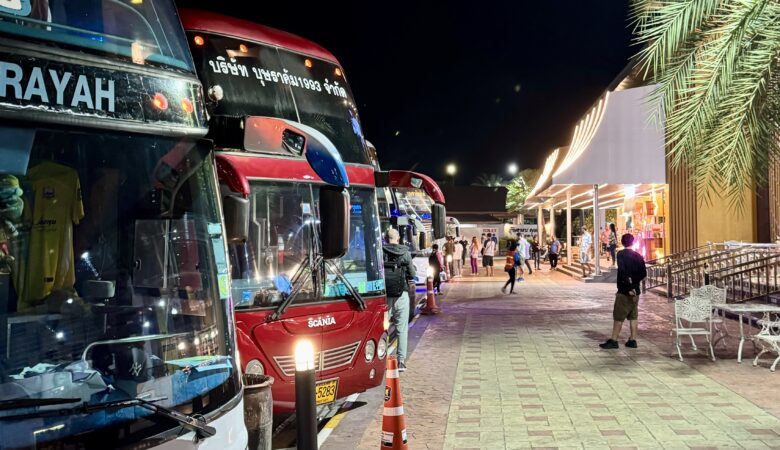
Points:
x=395, y=275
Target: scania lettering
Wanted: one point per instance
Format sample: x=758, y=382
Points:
x=115, y=310
x=289, y=140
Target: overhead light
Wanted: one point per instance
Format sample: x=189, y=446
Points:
x=243, y=48
x=198, y=40
x=338, y=72
x=307, y=62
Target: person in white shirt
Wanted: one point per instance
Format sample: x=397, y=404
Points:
x=585, y=242
x=524, y=247
x=488, y=252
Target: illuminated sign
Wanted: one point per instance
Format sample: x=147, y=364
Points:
x=58, y=89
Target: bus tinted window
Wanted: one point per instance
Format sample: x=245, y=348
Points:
x=143, y=32
x=262, y=80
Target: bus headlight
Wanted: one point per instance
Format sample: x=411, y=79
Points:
x=381, y=350
x=370, y=349
x=255, y=367
x=386, y=321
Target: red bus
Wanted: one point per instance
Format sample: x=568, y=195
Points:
x=270, y=95
x=115, y=311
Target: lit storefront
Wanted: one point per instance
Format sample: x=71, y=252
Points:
x=615, y=161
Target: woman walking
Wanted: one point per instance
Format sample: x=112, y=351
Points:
x=612, y=243
x=512, y=260
x=474, y=252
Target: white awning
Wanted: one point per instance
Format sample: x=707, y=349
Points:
x=617, y=143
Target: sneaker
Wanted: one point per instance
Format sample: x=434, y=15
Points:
x=609, y=344
x=521, y=280
x=503, y=290
x=631, y=343
x=401, y=367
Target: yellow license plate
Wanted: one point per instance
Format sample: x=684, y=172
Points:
x=325, y=391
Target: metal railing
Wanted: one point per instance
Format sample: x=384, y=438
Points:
x=678, y=274
x=752, y=280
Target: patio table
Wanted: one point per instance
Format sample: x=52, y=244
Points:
x=741, y=309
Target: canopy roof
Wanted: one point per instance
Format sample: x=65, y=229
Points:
x=617, y=144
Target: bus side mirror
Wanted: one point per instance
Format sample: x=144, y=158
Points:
x=438, y=217
x=334, y=221
x=236, y=212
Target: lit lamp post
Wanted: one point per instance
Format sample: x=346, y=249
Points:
x=452, y=169
x=512, y=169
x=305, y=407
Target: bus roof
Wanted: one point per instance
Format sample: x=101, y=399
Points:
x=208, y=22
x=403, y=179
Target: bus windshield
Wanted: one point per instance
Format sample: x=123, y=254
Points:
x=263, y=80
x=113, y=285
x=143, y=32
x=281, y=239
x=414, y=202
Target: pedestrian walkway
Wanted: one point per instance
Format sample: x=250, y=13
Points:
x=525, y=371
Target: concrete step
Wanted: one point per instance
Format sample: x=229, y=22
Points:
x=575, y=271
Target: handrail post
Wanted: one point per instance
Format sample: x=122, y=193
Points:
x=669, y=284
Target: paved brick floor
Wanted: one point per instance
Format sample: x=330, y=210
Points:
x=525, y=371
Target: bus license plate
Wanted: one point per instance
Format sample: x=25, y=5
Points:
x=325, y=391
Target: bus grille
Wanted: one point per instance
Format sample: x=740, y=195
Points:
x=327, y=360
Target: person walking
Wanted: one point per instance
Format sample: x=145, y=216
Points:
x=524, y=248
x=510, y=267
x=631, y=272
x=399, y=270
x=536, y=252
x=612, y=243
x=604, y=239
x=475, y=251
x=449, y=252
x=465, y=245
x=436, y=263
x=555, y=248
x=458, y=257
x=488, y=252
x=585, y=242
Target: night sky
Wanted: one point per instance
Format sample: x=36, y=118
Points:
x=480, y=84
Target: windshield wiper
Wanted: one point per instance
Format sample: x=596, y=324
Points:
x=314, y=268
x=189, y=423
x=18, y=403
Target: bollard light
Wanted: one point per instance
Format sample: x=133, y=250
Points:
x=304, y=355
x=305, y=401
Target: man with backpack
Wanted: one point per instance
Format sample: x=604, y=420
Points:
x=399, y=270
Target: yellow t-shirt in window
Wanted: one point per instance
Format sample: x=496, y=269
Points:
x=56, y=207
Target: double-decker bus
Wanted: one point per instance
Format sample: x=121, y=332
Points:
x=115, y=311
x=272, y=96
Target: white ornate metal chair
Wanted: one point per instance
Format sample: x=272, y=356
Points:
x=690, y=312
x=769, y=339
x=718, y=296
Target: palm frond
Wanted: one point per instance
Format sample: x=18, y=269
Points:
x=715, y=62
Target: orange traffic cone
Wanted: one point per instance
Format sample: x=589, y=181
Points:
x=393, y=420
x=430, y=302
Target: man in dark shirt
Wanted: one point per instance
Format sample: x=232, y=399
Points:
x=631, y=272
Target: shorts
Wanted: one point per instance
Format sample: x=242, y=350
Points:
x=584, y=258
x=487, y=261
x=626, y=307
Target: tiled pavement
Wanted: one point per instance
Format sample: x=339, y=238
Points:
x=524, y=371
